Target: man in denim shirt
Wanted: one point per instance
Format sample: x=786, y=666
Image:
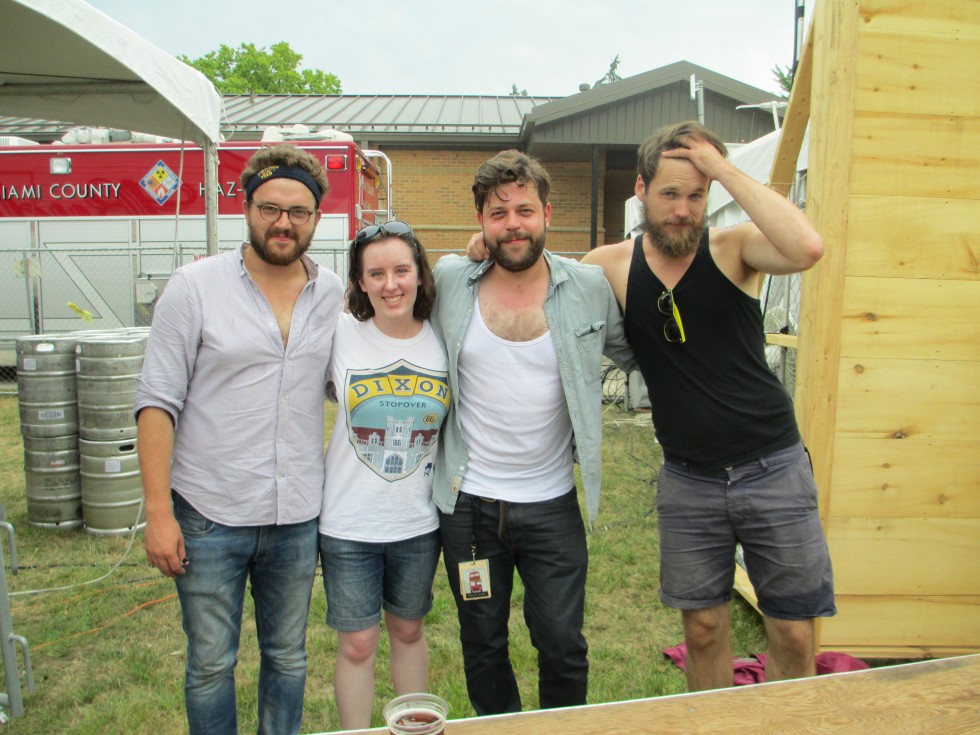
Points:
x=525, y=332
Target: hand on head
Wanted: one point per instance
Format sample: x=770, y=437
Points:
x=701, y=153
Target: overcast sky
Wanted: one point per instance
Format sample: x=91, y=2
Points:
x=547, y=47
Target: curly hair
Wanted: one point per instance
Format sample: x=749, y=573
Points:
x=510, y=167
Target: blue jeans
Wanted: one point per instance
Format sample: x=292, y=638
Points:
x=362, y=577
x=280, y=562
x=545, y=542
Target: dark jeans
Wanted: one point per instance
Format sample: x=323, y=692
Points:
x=545, y=542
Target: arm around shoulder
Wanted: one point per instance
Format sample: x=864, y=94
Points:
x=615, y=261
x=616, y=347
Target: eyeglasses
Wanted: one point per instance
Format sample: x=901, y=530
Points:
x=272, y=213
x=673, y=327
x=395, y=228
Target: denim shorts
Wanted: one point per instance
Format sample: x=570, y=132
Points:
x=769, y=506
x=361, y=578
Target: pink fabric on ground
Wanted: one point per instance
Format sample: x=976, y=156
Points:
x=752, y=670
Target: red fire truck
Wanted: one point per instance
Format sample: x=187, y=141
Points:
x=89, y=234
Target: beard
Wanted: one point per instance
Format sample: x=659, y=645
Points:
x=274, y=256
x=520, y=261
x=675, y=246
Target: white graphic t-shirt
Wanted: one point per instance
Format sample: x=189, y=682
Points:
x=392, y=396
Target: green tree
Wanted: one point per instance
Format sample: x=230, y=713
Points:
x=784, y=78
x=515, y=92
x=251, y=70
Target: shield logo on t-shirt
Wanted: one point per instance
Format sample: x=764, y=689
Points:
x=394, y=414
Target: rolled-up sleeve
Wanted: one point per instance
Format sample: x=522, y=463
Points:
x=171, y=349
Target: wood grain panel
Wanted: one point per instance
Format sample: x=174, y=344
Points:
x=916, y=477
x=950, y=17
x=834, y=34
x=915, y=155
x=915, y=73
x=897, y=398
x=919, y=698
x=914, y=318
x=914, y=237
x=927, y=626
x=905, y=556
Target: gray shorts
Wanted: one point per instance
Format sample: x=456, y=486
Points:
x=769, y=506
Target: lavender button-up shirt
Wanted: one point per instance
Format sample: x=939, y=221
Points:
x=248, y=412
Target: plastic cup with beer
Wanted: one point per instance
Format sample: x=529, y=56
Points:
x=416, y=714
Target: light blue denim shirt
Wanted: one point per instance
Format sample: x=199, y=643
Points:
x=585, y=322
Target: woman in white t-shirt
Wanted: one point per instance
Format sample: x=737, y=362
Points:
x=379, y=529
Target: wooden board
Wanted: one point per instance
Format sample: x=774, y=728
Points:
x=915, y=477
x=834, y=33
x=899, y=398
x=914, y=237
x=782, y=174
x=915, y=155
x=782, y=340
x=888, y=369
x=927, y=626
x=914, y=318
x=898, y=72
x=911, y=699
x=744, y=587
x=905, y=556
x=956, y=17
x=868, y=626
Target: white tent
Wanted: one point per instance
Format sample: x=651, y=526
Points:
x=754, y=159
x=64, y=60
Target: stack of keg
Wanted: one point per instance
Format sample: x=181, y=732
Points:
x=49, y=425
x=76, y=394
x=108, y=366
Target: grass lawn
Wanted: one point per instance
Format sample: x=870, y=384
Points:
x=108, y=656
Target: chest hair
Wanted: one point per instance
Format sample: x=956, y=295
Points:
x=515, y=318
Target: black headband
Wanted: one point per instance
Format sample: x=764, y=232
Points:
x=283, y=172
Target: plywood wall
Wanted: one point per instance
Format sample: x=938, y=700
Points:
x=888, y=371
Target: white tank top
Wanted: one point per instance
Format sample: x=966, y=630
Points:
x=514, y=417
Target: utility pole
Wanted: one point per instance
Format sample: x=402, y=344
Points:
x=798, y=31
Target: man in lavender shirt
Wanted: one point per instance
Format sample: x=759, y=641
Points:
x=230, y=441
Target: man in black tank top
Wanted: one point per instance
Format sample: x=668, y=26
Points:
x=735, y=471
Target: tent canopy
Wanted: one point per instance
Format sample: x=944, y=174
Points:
x=64, y=60
x=755, y=159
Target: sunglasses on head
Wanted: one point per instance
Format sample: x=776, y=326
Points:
x=673, y=327
x=395, y=228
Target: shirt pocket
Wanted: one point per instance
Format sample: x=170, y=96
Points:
x=319, y=341
x=590, y=339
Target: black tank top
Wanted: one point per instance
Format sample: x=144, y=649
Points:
x=714, y=400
